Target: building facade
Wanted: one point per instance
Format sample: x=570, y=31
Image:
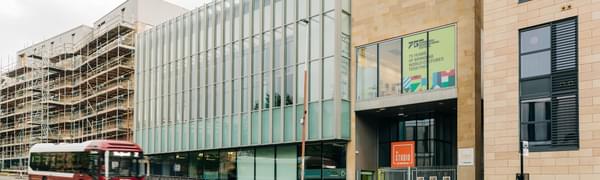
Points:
x=220, y=90
x=417, y=81
x=76, y=86
x=541, y=84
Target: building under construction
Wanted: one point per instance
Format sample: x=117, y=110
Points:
x=76, y=86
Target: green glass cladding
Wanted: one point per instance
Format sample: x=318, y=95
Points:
x=230, y=74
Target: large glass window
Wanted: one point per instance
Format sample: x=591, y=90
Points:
x=286, y=162
x=415, y=63
x=265, y=163
x=228, y=165
x=549, y=86
x=245, y=164
x=390, y=69
x=366, y=73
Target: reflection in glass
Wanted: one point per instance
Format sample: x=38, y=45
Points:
x=390, y=70
x=366, y=73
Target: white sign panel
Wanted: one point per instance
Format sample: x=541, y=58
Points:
x=466, y=157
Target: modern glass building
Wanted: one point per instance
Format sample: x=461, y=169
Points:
x=220, y=90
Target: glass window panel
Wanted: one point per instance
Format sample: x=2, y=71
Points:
x=329, y=34
x=302, y=9
x=265, y=163
x=535, y=64
x=414, y=59
x=237, y=60
x=535, y=39
x=290, y=45
x=278, y=48
x=345, y=119
x=276, y=125
x=315, y=38
x=345, y=79
x=535, y=121
x=226, y=138
x=366, y=87
x=245, y=129
x=300, y=84
x=328, y=5
x=302, y=42
x=219, y=62
x=227, y=165
x=290, y=10
x=287, y=163
x=211, y=165
x=237, y=27
x=228, y=96
x=245, y=94
x=265, y=127
x=256, y=55
x=219, y=99
x=315, y=7
x=218, y=132
x=228, y=65
x=535, y=88
x=442, y=58
x=328, y=119
x=266, y=60
x=299, y=116
x=245, y=164
x=277, y=81
x=289, y=86
x=328, y=78
x=335, y=155
x=278, y=12
x=266, y=90
x=314, y=119
x=202, y=28
x=255, y=127
x=256, y=16
x=227, y=16
x=237, y=96
x=219, y=21
x=235, y=130
x=194, y=32
x=288, y=125
x=267, y=17
x=209, y=133
x=315, y=81
x=246, y=60
x=246, y=17
x=256, y=97
x=390, y=69
x=313, y=166
x=210, y=24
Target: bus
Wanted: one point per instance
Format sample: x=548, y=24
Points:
x=90, y=160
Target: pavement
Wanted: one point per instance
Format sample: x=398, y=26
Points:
x=5, y=177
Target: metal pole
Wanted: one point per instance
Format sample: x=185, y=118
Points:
x=304, y=119
x=521, y=177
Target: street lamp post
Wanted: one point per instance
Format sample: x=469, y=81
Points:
x=304, y=119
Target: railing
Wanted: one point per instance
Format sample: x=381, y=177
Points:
x=418, y=173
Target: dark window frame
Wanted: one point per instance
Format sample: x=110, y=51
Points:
x=553, y=95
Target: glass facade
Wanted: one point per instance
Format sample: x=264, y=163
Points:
x=413, y=63
x=230, y=74
x=324, y=160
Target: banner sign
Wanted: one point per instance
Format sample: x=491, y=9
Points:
x=414, y=63
x=403, y=154
x=442, y=58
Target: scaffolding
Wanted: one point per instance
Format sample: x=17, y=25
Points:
x=69, y=92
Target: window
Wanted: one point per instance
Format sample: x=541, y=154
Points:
x=522, y=1
x=548, y=86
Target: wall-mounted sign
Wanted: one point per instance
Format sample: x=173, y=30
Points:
x=414, y=63
x=466, y=157
x=403, y=154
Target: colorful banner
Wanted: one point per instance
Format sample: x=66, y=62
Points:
x=414, y=63
x=403, y=154
x=442, y=58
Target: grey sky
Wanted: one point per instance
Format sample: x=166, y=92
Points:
x=25, y=22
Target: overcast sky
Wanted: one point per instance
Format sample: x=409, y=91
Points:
x=25, y=22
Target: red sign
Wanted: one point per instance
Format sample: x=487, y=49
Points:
x=403, y=154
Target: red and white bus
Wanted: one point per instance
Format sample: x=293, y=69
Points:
x=90, y=160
